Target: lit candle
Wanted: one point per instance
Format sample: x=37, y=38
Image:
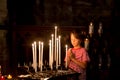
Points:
x=39, y=46
x=86, y=44
x=52, y=50
x=9, y=77
x=55, y=41
x=100, y=29
x=33, y=51
x=91, y=27
x=35, y=56
x=66, y=48
x=57, y=55
x=50, y=59
x=59, y=50
x=41, y=55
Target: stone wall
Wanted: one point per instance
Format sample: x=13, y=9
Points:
x=3, y=11
x=4, y=53
x=61, y=12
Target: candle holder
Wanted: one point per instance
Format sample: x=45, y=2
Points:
x=60, y=67
x=44, y=68
x=54, y=65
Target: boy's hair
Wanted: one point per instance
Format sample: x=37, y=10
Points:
x=78, y=34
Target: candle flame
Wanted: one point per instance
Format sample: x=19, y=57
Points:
x=66, y=45
x=55, y=27
x=86, y=39
x=52, y=35
x=59, y=36
x=9, y=76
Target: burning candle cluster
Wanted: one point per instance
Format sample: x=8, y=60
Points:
x=54, y=52
x=40, y=51
x=55, y=49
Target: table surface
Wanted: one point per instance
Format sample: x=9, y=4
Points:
x=45, y=75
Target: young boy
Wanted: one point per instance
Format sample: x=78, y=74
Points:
x=77, y=56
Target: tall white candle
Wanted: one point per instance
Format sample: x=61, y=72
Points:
x=59, y=50
x=50, y=58
x=39, y=44
x=55, y=41
x=66, y=48
x=35, y=56
x=33, y=51
x=57, y=55
x=41, y=55
x=52, y=50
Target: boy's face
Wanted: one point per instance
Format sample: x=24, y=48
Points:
x=74, y=41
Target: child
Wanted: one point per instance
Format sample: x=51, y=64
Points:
x=77, y=57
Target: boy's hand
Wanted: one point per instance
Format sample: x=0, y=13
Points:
x=71, y=54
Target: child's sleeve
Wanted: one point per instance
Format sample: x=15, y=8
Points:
x=85, y=56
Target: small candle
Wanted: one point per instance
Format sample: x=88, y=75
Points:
x=91, y=28
x=100, y=29
x=86, y=44
x=9, y=77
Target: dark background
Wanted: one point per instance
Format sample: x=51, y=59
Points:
x=34, y=17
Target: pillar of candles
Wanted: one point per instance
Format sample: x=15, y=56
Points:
x=56, y=49
x=66, y=48
x=59, y=50
x=40, y=55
